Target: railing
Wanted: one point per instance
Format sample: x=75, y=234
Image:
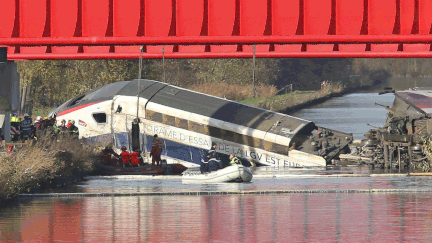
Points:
x=286, y=89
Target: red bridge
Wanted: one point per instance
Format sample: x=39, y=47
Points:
x=86, y=29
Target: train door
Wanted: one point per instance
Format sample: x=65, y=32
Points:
x=119, y=124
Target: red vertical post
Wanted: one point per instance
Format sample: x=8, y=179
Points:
x=33, y=16
x=158, y=17
x=126, y=20
x=8, y=13
x=285, y=18
x=64, y=18
x=253, y=19
x=382, y=20
x=221, y=18
x=317, y=16
x=421, y=24
x=95, y=15
x=406, y=16
x=349, y=21
x=190, y=20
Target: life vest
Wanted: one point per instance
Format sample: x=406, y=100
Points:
x=134, y=158
x=15, y=125
x=235, y=160
x=125, y=155
x=205, y=160
x=213, y=154
x=56, y=129
x=15, y=119
x=26, y=125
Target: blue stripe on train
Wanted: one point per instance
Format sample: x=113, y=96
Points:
x=173, y=149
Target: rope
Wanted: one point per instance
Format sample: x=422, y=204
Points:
x=198, y=193
x=139, y=81
x=163, y=63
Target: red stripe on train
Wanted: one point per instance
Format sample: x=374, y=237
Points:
x=77, y=108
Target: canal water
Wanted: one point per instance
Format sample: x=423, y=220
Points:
x=292, y=217
x=350, y=113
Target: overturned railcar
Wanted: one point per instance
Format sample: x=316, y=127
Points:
x=399, y=141
x=189, y=122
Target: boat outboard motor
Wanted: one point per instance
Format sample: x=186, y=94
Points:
x=135, y=135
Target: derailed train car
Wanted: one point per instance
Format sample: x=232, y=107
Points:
x=189, y=122
x=399, y=141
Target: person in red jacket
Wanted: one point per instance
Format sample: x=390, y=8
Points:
x=125, y=156
x=135, y=160
x=156, y=150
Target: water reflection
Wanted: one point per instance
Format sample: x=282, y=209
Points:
x=222, y=218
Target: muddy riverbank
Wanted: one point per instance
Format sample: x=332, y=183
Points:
x=44, y=164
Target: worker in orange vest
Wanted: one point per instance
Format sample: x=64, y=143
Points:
x=125, y=156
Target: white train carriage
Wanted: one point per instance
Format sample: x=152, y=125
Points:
x=189, y=122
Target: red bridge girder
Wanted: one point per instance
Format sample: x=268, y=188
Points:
x=90, y=29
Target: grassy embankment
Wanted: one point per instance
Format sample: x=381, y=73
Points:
x=295, y=100
x=44, y=164
x=267, y=97
x=41, y=111
x=234, y=91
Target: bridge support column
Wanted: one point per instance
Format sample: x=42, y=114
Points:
x=9, y=91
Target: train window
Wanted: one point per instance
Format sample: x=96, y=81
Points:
x=197, y=127
x=85, y=97
x=76, y=100
x=258, y=143
x=181, y=123
x=240, y=138
x=267, y=145
x=214, y=132
x=230, y=136
x=206, y=130
x=154, y=116
x=169, y=120
x=280, y=149
x=100, y=117
x=249, y=141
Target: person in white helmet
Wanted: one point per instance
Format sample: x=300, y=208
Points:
x=26, y=127
x=37, y=127
x=37, y=119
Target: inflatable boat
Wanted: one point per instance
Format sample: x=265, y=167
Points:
x=232, y=173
